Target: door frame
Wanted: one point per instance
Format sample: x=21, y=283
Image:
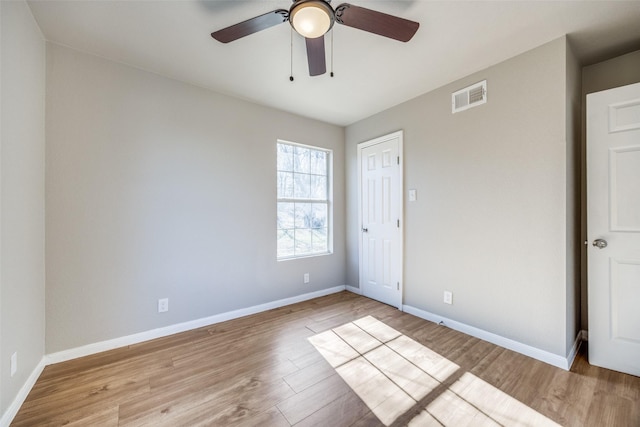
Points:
x=360, y=147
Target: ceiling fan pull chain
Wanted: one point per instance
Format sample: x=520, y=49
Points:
x=291, y=55
x=331, y=54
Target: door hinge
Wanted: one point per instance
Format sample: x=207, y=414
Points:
x=398, y=286
x=398, y=159
x=398, y=223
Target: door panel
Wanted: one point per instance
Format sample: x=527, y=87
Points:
x=381, y=207
x=613, y=199
x=625, y=320
x=624, y=176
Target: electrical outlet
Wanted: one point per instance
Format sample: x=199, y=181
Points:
x=14, y=363
x=448, y=297
x=306, y=278
x=163, y=305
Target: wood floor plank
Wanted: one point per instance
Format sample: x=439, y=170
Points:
x=272, y=417
x=87, y=382
x=263, y=370
x=341, y=412
x=304, y=355
x=242, y=402
x=105, y=418
x=225, y=390
x=312, y=399
x=309, y=375
x=75, y=409
x=368, y=420
x=564, y=398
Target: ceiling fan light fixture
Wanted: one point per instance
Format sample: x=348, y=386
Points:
x=311, y=18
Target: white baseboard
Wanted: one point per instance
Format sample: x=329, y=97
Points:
x=353, y=289
x=98, y=347
x=574, y=350
x=527, y=350
x=13, y=409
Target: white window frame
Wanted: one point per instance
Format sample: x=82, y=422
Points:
x=328, y=201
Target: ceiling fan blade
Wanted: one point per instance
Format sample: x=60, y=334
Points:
x=376, y=22
x=316, y=56
x=251, y=26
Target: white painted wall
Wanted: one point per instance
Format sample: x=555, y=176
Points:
x=22, y=323
x=493, y=218
x=156, y=188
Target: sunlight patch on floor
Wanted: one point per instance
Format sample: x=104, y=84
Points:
x=392, y=374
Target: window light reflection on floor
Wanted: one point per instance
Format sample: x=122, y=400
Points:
x=394, y=374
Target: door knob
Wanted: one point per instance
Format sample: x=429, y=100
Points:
x=600, y=243
x=365, y=230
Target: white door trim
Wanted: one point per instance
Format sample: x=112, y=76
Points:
x=399, y=135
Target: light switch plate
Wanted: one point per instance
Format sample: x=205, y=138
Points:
x=413, y=195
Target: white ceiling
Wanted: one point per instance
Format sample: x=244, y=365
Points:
x=372, y=73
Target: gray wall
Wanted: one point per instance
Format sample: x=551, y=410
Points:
x=156, y=188
x=493, y=216
x=22, y=323
x=620, y=71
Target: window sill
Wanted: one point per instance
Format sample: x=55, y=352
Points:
x=304, y=256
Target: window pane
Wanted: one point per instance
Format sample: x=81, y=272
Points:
x=285, y=185
x=302, y=186
x=303, y=215
x=318, y=187
x=319, y=240
x=286, y=217
x=303, y=242
x=285, y=243
x=285, y=157
x=302, y=159
x=319, y=215
x=318, y=162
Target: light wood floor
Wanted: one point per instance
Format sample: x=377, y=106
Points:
x=262, y=370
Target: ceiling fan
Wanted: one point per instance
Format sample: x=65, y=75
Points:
x=312, y=19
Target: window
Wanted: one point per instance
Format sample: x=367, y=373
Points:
x=304, y=211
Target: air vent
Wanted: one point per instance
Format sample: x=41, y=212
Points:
x=470, y=96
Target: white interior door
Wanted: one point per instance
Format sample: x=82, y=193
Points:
x=380, y=225
x=613, y=192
